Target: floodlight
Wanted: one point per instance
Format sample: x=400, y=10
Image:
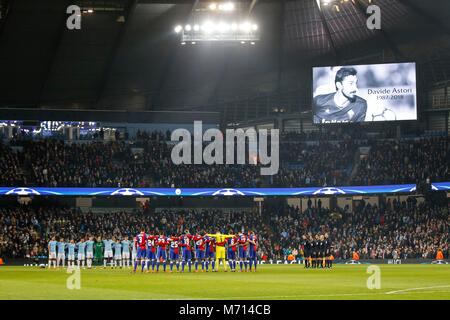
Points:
x=178, y=29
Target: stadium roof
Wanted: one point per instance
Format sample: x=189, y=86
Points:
x=126, y=55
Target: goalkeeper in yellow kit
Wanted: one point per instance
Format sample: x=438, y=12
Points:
x=221, y=240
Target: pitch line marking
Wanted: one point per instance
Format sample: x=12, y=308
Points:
x=411, y=289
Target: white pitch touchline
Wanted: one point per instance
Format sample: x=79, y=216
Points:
x=411, y=289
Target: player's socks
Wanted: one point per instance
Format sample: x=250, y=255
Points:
x=189, y=263
x=245, y=263
x=164, y=266
x=196, y=265
x=241, y=263
x=142, y=265
x=157, y=266
x=171, y=266
x=231, y=264
x=153, y=264
x=203, y=266
x=207, y=265
x=178, y=266
x=183, y=263
x=135, y=265
x=214, y=265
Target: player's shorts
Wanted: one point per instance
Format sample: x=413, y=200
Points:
x=209, y=254
x=199, y=254
x=61, y=256
x=108, y=254
x=71, y=257
x=81, y=256
x=242, y=253
x=161, y=254
x=151, y=255
x=173, y=255
x=98, y=255
x=186, y=255
x=220, y=253
x=52, y=255
x=252, y=254
x=141, y=253
x=231, y=255
x=126, y=255
x=118, y=256
x=89, y=255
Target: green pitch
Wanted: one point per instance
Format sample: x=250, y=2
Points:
x=270, y=282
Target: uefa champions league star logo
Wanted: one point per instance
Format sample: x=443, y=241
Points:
x=228, y=192
x=329, y=191
x=127, y=192
x=23, y=191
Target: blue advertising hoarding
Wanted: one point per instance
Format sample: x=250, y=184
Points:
x=24, y=191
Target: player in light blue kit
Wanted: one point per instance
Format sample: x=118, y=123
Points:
x=117, y=253
x=81, y=246
x=108, y=255
x=52, y=252
x=89, y=251
x=71, y=254
x=126, y=252
x=61, y=245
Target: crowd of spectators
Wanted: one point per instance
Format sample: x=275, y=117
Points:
x=405, y=230
x=405, y=161
x=146, y=162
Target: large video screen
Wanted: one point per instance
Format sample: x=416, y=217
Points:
x=364, y=93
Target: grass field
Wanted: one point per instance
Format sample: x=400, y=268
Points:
x=270, y=282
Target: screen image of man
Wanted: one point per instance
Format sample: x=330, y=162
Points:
x=343, y=105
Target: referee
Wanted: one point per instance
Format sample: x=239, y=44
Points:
x=327, y=244
x=322, y=251
x=306, y=250
x=315, y=252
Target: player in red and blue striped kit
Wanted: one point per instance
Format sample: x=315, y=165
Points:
x=140, y=243
x=243, y=241
x=253, y=240
x=151, y=252
x=200, y=243
x=209, y=252
x=161, y=242
x=232, y=244
x=174, y=252
x=185, y=243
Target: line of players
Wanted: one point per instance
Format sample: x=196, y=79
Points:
x=92, y=252
x=146, y=249
x=317, y=251
x=208, y=249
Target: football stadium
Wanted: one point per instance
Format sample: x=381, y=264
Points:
x=237, y=150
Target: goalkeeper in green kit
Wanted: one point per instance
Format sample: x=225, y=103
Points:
x=98, y=253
